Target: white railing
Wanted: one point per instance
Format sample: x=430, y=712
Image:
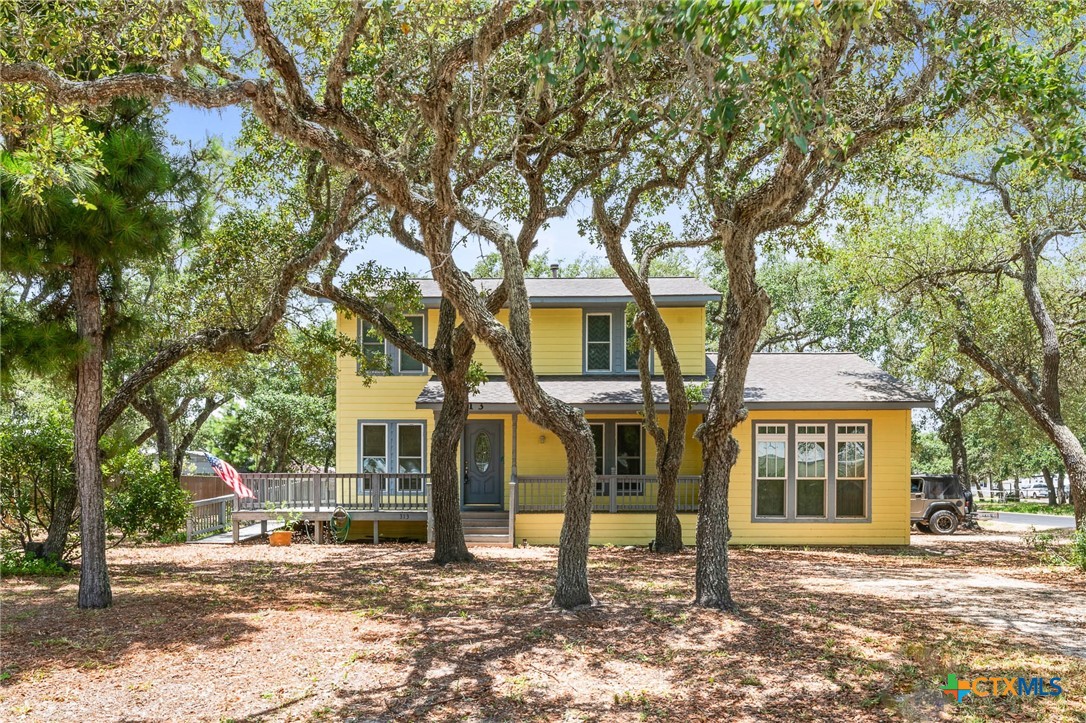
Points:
x=400, y=491
x=613, y=493
x=209, y=516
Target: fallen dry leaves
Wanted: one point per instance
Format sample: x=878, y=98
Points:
x=363, y=633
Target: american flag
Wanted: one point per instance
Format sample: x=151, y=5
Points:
x=230, y=476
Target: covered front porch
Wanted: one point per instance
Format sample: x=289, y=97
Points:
x=405, y=498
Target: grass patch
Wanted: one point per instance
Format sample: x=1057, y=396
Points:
x=1031, y=508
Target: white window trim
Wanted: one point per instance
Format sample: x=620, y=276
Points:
x=861, y=436
x=400, y=353
x=609, y=342
x=421, y=457
x=628, y=331
x=760, y=436
x=362, y=456
x=362, y=346
x=825, y=440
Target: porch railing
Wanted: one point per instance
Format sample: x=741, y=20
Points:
x=209, y=516
x=403, y=491
x=613, y=493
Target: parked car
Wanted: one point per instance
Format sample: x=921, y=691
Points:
x=940, y=503
x=1034, y=489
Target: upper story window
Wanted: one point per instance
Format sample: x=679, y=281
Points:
x=373, y=346
x=383, y=357
x=408, y=364
x=598, y=342
x=633, y=346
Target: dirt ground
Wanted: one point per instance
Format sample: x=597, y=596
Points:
x=363, y=633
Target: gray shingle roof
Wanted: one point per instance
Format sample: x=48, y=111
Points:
x=774, y=381
x=667, y=290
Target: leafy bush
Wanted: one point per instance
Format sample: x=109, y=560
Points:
x=16, y=563
x=1076, y=551
x=1051, y=552
x=36, y=458
x=143, y=500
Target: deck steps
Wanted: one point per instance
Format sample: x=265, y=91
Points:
x=486, y=528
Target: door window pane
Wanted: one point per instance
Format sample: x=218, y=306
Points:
x=628, y=448
x=374, y=448
x=408, y=363
x=482, y=451
x=598, y=346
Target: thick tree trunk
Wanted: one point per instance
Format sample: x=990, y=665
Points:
x=1046, y=472
x=712, y=584
x=449, y=544
x=94, y=588
x=56, y=538
x=952, y=436
x=571, y=585
x=1074, y=461
x=1061, y=489
x=747, y=309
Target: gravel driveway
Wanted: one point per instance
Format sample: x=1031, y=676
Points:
x=996, y=599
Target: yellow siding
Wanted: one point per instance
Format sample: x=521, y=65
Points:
x=557, y=343
x=387, y=397
x=890, y=469
x=687, y=327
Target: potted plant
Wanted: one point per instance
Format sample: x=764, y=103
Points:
x=283, y=536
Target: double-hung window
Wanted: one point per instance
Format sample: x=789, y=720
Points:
x=811, y=470
x=771, y=466
x=598, y=342
x=633, y=346
x=408, y=364
x=409, y=456
x=374, y=448
x=851, y=441
x=373, y=347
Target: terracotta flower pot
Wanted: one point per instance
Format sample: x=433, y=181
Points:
x=280, y=538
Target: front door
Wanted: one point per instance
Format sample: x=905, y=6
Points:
x=482, y=455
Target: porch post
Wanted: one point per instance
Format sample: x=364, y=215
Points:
x=237, y=531
x=429, y=514
x=513, y=488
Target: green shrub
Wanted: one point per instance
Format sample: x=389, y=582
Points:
x=1076, y=551
x=1051, y=552
x=143, y=501
x=15, y=563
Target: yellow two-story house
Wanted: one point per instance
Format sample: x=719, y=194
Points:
x=825, y=452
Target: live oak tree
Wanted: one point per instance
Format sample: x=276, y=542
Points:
x=791, y=98
x=427, y=122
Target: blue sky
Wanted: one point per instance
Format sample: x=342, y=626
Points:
x=560, y=239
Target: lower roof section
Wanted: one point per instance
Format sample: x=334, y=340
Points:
x=774, y=381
